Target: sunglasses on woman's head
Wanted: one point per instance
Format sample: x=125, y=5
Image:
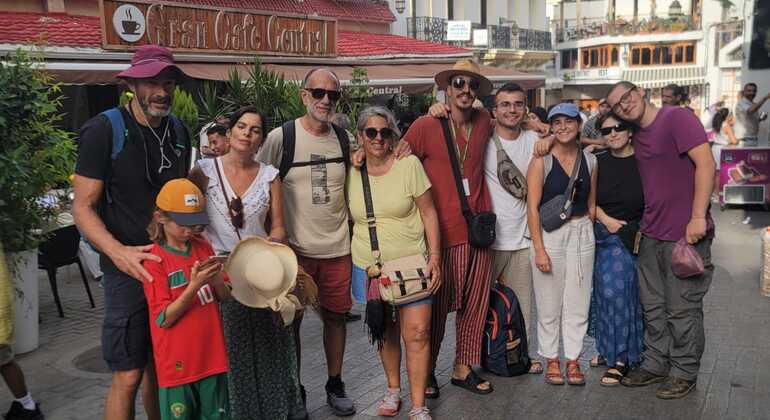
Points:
x=619, y=127
x=385, y=133
x=236, y=212
x=459, y=83
x=319, y=93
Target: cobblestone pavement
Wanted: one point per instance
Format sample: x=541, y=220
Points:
x=734, y=382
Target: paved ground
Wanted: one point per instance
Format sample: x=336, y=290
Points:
x=734, y=382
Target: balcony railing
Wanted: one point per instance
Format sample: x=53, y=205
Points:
x=623, y=25
x=498, y=36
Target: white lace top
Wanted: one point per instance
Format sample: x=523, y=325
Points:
x=256, y=203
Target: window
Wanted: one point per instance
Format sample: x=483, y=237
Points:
x=569, y=58
x=663, y=54
x=450, y=9
x=483, y=12
x=599, y=57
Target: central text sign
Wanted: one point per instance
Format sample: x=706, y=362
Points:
x=186, y=28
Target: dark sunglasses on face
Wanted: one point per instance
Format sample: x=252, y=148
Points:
x=385, y=133
x=619, y=128
x=319, y=93
x=236, y=212
x=459, y=83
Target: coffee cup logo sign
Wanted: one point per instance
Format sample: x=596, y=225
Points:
x=128, y=22
x=203, y=29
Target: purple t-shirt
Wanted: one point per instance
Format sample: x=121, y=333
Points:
x=668, y=174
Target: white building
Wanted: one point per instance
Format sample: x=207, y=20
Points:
x=756, y=49
x=504, y=33
x=693, y=43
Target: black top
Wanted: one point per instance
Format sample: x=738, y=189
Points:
x=619, y=187
x=557, y=181
x=132, y=180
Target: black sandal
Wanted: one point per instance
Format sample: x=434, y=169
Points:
x=432, y=383
x=615, y=374
x=472, y=382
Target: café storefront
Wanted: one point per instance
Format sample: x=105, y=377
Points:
x=209, y=42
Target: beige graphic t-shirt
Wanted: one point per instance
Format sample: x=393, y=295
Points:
x=315, y=213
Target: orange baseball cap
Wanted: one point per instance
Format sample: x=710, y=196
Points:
x=183, y=202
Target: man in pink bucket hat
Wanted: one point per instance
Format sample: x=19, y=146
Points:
x=125, y=155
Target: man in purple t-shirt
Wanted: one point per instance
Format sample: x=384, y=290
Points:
x=677, y=171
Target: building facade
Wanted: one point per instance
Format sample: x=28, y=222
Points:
x=693, y=43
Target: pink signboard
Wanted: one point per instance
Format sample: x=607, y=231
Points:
x=744, y=175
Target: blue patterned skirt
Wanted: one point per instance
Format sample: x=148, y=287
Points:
x=616, y=314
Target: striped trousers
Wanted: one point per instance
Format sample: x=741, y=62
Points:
x=466, y=276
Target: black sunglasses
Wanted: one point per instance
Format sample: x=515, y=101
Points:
x=319, y=93
x=236, y=212
x=619, y=128
x=459, y=83
x=385, y=133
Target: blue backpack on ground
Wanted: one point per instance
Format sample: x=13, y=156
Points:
x=504, y=349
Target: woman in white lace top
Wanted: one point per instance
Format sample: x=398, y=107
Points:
x=241, y=194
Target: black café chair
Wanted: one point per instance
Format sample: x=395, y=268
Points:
x=59, y=250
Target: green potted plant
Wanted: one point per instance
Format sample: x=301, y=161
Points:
x=35, y=157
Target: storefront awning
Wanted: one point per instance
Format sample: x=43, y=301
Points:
x=662, y=76
x=384, y=78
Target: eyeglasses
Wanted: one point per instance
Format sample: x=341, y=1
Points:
x=236, y=212
x=618, y=128
x=624, y=100
x=385, y=133
x=508, y=105
x=459, y=83
x=318, y=93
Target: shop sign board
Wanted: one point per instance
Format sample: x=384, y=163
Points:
x=126, y=25
x=458, y=30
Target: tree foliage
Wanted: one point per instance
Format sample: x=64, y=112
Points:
x=35, y=155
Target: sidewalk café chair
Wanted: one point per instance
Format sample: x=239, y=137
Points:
x=59, y=250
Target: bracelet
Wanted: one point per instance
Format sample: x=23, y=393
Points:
x=698, y=218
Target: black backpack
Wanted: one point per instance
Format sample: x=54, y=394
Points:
x=504, y=348
x=290, y=139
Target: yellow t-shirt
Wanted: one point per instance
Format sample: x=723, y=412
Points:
x=400, y=231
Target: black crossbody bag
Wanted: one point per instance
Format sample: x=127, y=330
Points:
x=481, y=226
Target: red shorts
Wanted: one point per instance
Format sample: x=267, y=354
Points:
x=332, y=276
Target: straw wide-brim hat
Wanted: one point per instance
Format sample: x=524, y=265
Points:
x=262, y=274
x=464, y=67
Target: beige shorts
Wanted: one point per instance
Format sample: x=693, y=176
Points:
x=6, y=354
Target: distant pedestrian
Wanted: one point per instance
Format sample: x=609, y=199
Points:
x=672, y=95
x=677, y=172
x=722, y=124
x=188, y=342
x=748, y=117
x=23, y=406
x=590, y=136
x=218, y=143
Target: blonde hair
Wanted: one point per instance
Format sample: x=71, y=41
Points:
x=155, y=229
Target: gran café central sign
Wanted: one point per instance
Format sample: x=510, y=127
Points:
x=191, y=28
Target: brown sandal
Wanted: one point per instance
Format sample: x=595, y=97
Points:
x=553, y=372
x=574, y=375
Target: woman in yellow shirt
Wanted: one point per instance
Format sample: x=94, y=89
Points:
x=405, y=217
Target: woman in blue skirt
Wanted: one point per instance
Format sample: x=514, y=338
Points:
x=620, y=203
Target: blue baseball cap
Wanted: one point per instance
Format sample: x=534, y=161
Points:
x=564, y=108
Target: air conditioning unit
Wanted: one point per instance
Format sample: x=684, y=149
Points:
x=744, y=194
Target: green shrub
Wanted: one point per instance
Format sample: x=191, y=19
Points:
x=35, y=155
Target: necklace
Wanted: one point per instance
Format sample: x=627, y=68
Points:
x=165, y=162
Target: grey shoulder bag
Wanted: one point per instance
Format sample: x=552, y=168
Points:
x=509, y=175
x=555, y=212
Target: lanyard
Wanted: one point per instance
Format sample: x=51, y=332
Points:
x=461, y=156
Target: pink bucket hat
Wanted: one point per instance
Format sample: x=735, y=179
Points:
x=149, y=61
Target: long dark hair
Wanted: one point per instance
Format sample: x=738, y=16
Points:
x=719, y=119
